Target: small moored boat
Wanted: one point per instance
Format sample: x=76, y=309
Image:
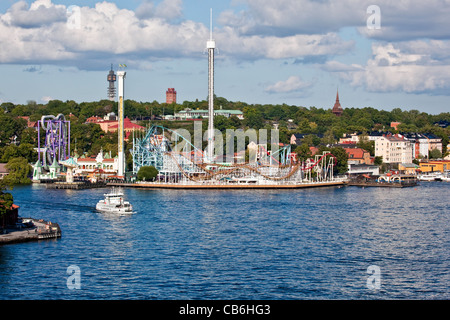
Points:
x=433, y=176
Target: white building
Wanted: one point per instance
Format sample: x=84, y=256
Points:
x=434, y=142
x=198, y=114
x=394, y=149
x=357, y=169
x=101, y=163
x=420, y=144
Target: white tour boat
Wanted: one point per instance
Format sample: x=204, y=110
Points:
x=432, y=176
x=114, y=202
x=446, y=176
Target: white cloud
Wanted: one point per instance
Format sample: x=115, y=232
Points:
x=106, y=32
x=400, y=20
x=336, y=66
x=413, y=67
x=292, y=84
x=167, y=9
x=272, y=47
x=289, y=17
x=41, y=12
x=411, y=19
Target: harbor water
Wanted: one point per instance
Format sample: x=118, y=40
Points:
x=325, y=243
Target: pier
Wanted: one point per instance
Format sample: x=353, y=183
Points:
x=32, y=230
x=208, y=186
x=75, y=185
x=394, y=181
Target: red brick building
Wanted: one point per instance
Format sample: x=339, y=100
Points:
x=171, y=96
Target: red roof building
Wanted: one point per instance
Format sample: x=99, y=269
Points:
x=358, y=156
x=30, y=124
x=113, y=125
x=94, y=119
x=128, y=126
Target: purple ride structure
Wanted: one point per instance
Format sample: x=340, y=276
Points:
x=56, y=146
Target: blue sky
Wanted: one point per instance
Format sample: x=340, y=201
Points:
x=296, y=52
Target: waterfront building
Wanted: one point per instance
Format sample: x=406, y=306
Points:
x=424, y=143
x=408, y=168
x=419, y=143
x=55, y=169
x=37, y=171
x=394, y=149
x=102, y=163
x=435, y=165
x=357, y=169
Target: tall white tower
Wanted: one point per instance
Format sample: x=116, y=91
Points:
x=210, y=45
x=121, y=154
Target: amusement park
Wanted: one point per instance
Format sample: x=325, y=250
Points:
x=181, y=162
x=247, y=160
x=184, y=163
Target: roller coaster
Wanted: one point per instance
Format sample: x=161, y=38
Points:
x=179, y=161
x=56, y=146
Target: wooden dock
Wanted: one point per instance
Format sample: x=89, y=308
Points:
x=395, y=181
x=75, y=185
x=39, y=230
x=228, y=186
x=377, y=184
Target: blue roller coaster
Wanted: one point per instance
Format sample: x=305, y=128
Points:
x=178, y=160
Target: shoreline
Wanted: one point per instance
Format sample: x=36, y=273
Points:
x=39, y=230
x=227, y=186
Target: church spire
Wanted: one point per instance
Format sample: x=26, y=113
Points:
x=337, y=109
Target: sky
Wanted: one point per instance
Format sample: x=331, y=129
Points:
x=378, y=53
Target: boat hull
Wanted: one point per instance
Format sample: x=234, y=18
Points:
x=111, y=209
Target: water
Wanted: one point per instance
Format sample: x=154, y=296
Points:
x=226, y=244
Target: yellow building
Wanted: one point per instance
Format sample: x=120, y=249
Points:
x=435, y=165
x=408, y=168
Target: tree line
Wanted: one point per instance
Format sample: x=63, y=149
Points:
x=318, y=124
